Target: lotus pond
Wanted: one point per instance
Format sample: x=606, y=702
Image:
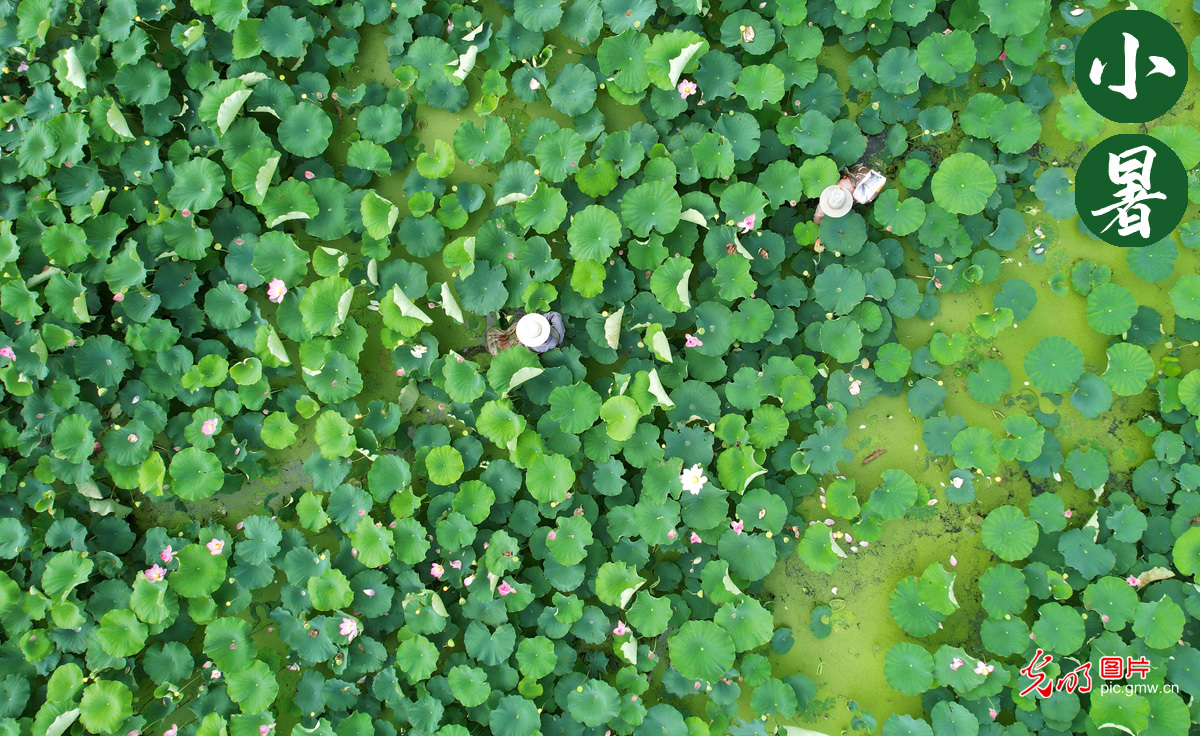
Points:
x=259, y=475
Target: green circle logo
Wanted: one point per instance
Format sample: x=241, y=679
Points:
x=1131, y=190
x=1131, y=66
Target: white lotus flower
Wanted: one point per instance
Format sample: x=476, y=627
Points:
x=693, y=479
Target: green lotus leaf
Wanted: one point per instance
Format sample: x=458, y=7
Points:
x=105, y=706
x=1114, y=599
x=121, y=634
x=253, y=688
x=1154, y=262
x=908, y=668
x=841, y=339
x=1015, y=128
x=651, y=206
x=1004, y=591
x=544, y=211
x=1159, y=624
x=899, y=71
x=1082, y=553
x=283, y=35
x=896, y=217
x=908, y=610
x=199, y=573
x=1110, y=309
x=304, y=129
x=514, y=716
x=1024, y=441
x=329, y=591
x=1076, y=120
x=760, y=84
x=1009, y=533
x=895, y=495
x=469, y=685
x=1186, y=552
x=195, y=474
x=198, y=185
x=701, y=650
x=944, y=57
x=594, y=703
x=672, y=55
x=1058, y=629
x=1130, y=367
x=1054, y=364
x=649, y=616
x=989, y=382
x=477, y=145
x=549, y=478
x=444, y=465
x=962, y=184
x=594, y=233
x=325, y=305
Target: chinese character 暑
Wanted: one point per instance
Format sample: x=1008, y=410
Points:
x=1132, y=175
x=1128, y=87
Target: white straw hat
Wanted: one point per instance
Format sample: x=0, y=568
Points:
x=835, y=201
x=533, y=330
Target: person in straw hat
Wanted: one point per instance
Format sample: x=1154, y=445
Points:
x=859, y=184
x=537, y=332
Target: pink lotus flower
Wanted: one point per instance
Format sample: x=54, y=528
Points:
x=185, y=212
x=695, y=538
x=348, y=628
x=747, y=224
x=7, y=352
x=505, y=588
x=956, y=663
x=241, y=287
x=118, y=297
x=265, y=729
x=947, y=32
x=984, y=669
x=992, y=712
x=308, y=175
x=437, y=571
x=1104, y=618
x=687, y=88
x=369, y=592
x=215, y=674
x=552, y=536
x=621, y=629
x=671, y=534
x=953, y=561
x=167, y=554
x=1068, y=513
x=737, y=526
x=1132, y=580
x=456, y=564
x=1003, y=55
x=468, y=580
x=276, y=291
x=209, y=428
x=174, y=729
x=215, y=546
x=155, y=573
x=690, y=341
x=22, y=67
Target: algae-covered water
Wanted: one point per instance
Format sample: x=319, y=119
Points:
x=847, y=664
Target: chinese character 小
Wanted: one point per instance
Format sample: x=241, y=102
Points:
x=1129, y=86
